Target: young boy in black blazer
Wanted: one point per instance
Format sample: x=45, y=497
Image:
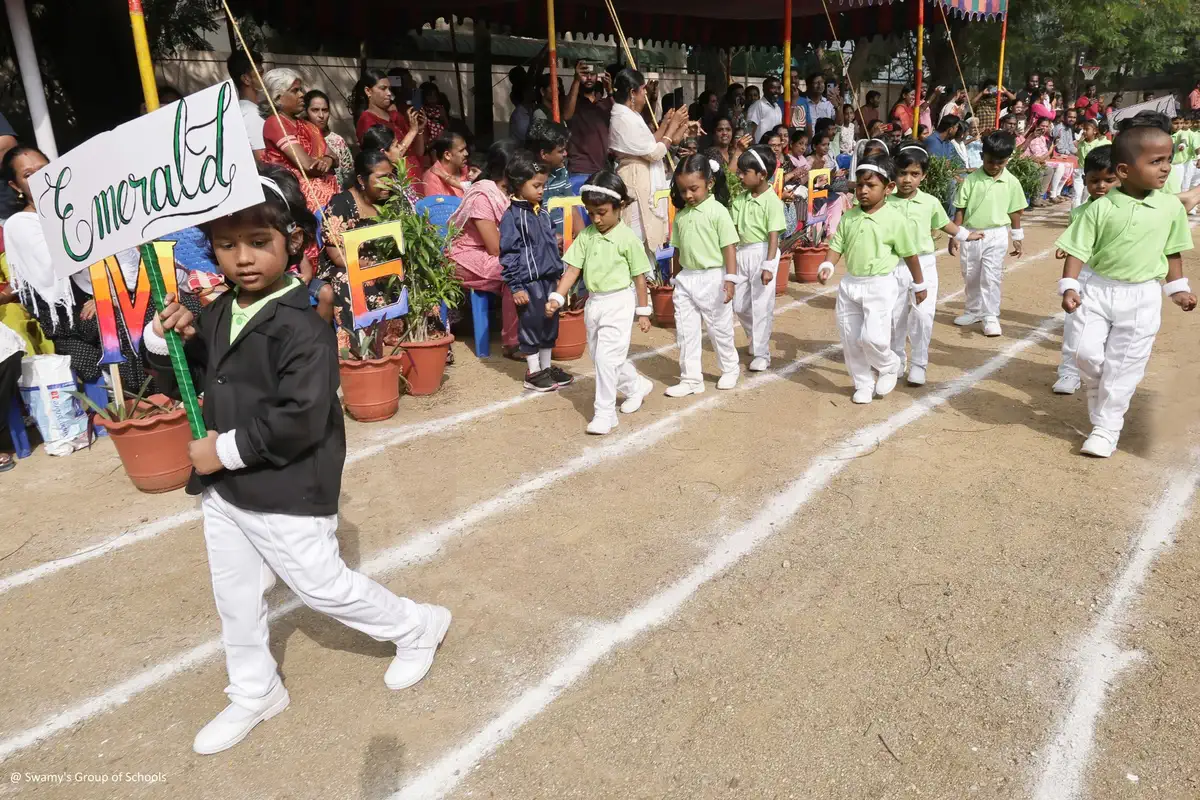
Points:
x=270, y=470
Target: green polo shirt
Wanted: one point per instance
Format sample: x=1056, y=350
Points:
x=987, y=201
x=1083, y=148
x=756, y=218
x=609, y=261
x=1183, y=147
x=873, y=243
x=1075, y=212
x=240, y=317
x=701, y=232
x=925, y=212
x=1125, y=239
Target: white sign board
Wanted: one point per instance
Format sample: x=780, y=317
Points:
x=187, y=163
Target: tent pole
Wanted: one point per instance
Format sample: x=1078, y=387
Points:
x=1000, y=79
x=551, y=38
x=916, y=132
x=462, y=105
x=142, y=45
x=788, y=89
x=31, y=77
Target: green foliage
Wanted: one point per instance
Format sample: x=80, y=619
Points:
x=1028, y=172
x=132, y=406
x=939, y=177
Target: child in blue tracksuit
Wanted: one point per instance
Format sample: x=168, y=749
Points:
x=531, y=265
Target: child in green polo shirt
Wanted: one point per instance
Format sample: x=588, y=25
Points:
x=1182, y=155
x=705, y=273
x=612, y=260
x=915, y=322
x=990, y=200
x=873, y=236
x=758, y=216
x=1089, y=140
x=1131, y=238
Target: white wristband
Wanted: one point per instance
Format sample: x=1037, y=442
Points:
x=562, y=301
x=227, y=451
x=825, y=265
x=735, y=279
x=1175, y=287
x=1018, y=234
x=962, y=234
x=154, y=343
x=917, y=287
x=1069, y=284
x=644, y=311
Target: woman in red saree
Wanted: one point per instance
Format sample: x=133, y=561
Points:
x=373, y=104
x=295, y=143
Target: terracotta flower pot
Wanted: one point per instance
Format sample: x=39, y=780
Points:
x=153, y=450
x=808, y=261
x=371, y=388
x=663, y=300
x=572, y=336
x=428, y=364
x=781, y=273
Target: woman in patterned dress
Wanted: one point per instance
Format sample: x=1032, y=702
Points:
x=317, y=110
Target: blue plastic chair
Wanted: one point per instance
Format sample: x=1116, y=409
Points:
x=438, y=209
x=97, y=392
x=16, y=428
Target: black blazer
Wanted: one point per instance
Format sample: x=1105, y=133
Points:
x=276, y=385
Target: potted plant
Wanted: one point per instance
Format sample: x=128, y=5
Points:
x=1029, y=173
x=370, y=379
x=810, y=248
x=151, y=435
x=572, y=332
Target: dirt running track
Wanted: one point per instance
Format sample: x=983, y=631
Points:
x=766, y=593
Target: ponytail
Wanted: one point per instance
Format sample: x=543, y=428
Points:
x=709, y=170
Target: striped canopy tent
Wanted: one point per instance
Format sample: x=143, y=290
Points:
x=976, y=9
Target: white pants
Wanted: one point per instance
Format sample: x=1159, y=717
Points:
x=247, y=548
x=1080, y=186
x=1054, y=177
x=864, y=319
x=1072, y=330
x=609, y=320
x=914, y=322
x=700, y=295
x=983, y=270
x=1191, y=176
x=1119, y=324
x=754, y=302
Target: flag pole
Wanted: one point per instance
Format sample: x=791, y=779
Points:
x=552, y=42
x=917, y=78
x=788, y=89
x=1000, y=79
x=145, y=64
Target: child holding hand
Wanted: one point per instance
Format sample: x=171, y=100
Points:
x=612, y=260
x=758, y=216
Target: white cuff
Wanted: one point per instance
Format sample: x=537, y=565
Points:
x=917, y=287
x=154, y=343
x=562, y=301
x=962, y=234
x=1069, y=284
x=735, y=279
x=644, y=311
x=1018, y=234
x=227, y=451
x=1174, y=287
x=825, y=265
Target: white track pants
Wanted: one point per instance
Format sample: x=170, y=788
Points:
x=1072, y=330
x=914, y=322
x=1080, y=187
x=1120, y=321
x=1058, y=178
x=983, y=270
x=609, y=320
x=754, y=302
x=700, y=295
x=247, y=548
x=864, y=319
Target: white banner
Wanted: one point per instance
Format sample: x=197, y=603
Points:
x=1164, y=105
x=187, y=163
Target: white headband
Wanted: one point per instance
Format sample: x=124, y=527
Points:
x=912, y=147
x=872, y=168
x=714, y=165
x=882, y=142
x=591, y=187
x=762, y=164
x=269, y=183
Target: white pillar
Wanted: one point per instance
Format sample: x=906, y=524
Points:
x=31, y=76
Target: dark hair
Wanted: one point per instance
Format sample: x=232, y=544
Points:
x=999, y=144
x=521, y=169
x=366, y=161
x=747, y=162
x=606, y=179
x=498, y=156
x=947, y=122
x=705, y=96
x=881, y=161
x=871, y=94
x=444, y=144
x=239, y=66
x=7, y=171
x=313, y=94
x=1131, y=141
x=797, y=135
x=910, y=153
x=626, y=83
x=1099, y=160
x=698, y=165
x=1146, y=119
x=370, y=76
x=274, y=212
x=545, y=135
x=1087, y=122
x=429, y=87
x=821, y=135
x=378, y=137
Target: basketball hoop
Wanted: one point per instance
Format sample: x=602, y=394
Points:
x=1089, y=72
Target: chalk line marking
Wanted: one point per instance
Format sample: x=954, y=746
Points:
x=1098, y=660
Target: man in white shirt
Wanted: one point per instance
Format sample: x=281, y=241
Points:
x=814, y=102
x=243, y=77
x=765, y=114
x=956, y=105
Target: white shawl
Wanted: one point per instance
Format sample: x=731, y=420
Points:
x=629, y=135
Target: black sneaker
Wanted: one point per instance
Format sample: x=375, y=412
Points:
x=540, y=381
x=561, y=377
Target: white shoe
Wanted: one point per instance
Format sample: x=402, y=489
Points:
x=991, y=326
x=412, y=663
x=600, y=427
x=1100, y=444
x=760, y=364
x=634, y=401
x=728, y=380
x=684, y=389
x=963, y=320
x=885, y=383
x=1067, y=384
x=863, y=395
x=231, y=725
x=916, y=376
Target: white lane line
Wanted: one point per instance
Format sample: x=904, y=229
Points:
x=1099, y=659
x=386, y=439
x=443, y=776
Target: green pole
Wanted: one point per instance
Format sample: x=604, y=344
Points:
x=183, y=376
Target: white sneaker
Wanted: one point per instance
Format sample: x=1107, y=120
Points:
x=1067, y=384
x=600, y=427
x=634, y=401
x=863, y=395
x=231, y=725
x=916, y=376
x=1100, y=444
x=684, y=389
x=885, y=383
x=991, y=326
x=963, y=320
x=728, y=380
x=760, y=364
x=412, y=663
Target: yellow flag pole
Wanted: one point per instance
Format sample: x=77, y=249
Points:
x=137, y=19
x=1000, y=79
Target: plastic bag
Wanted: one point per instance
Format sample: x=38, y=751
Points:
x=46, y=386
